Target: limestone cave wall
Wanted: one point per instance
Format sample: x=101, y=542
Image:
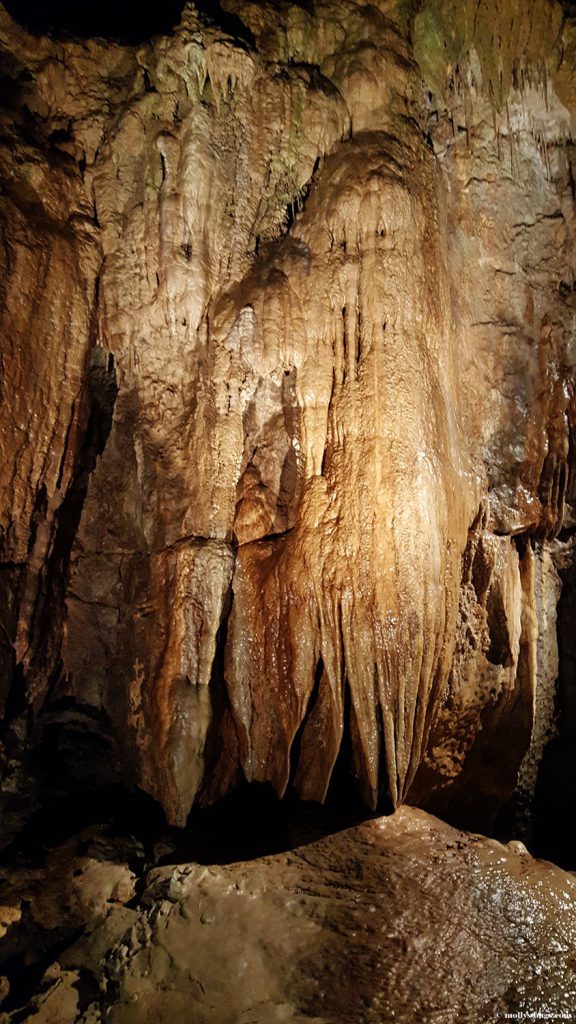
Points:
x=287, y=401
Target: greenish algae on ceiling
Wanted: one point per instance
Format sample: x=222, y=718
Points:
x=509, y=40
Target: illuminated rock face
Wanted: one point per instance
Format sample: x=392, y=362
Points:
x=291, y=357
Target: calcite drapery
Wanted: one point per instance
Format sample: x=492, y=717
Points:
x=359, y=592
x=303, y=418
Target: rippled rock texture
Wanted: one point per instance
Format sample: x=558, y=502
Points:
x=288, y=397
x=400, y=918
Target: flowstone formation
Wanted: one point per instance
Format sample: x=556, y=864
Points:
x=288, y=398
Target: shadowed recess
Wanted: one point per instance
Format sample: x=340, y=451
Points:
x=126, y=22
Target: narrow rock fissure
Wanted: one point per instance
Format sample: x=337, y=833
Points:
x=295, y=749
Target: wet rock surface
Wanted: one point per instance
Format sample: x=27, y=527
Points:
x=287, y=419
x=400, y=918
x=287, y=496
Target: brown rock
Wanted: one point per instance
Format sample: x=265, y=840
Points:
x=287, y=427
x=399, y=918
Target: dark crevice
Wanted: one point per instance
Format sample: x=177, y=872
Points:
x=25, y=976
x=481, y=572
x=344, y=340
x=290, y=215
x=38, y=516
x=215, y=754
x=36, y=680
x=344, y=791
x=66, y=445
x=312, y=701
x=297, y=204
x=572, y=180
x=214, y=14
x=75, y=749
x=65, y=812
x=251, y=822
x=107, y=19
x=499, y=651
x=327, y=454
x=521, y=542
x=280, y=535
x=148, y=86
x=47, y=614
x=554, y=810
x=88, y=988
x=385, y=805
x=58, y=135
x=16, y=703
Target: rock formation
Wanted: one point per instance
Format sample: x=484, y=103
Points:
x=400, y=918
x=287, y=421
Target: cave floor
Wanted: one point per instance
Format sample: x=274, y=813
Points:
x=395, y=919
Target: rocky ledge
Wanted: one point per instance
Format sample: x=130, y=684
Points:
x=398, y=919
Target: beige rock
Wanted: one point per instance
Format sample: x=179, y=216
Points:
x=9, y=915
x=73, y=888
x=59, y=1004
